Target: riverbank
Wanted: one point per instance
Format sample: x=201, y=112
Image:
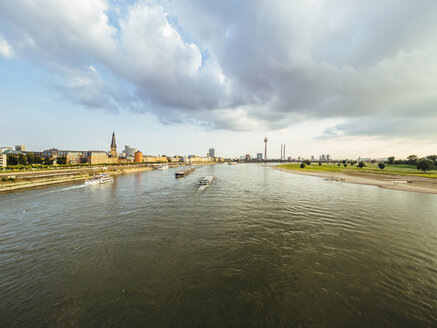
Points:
x=33, y=179
x=401, y=182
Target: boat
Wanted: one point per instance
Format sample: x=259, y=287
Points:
x=205, y=182
x=183, y=173
x=99, y=178
x=232, y=163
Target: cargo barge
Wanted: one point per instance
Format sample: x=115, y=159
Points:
x=183, y=173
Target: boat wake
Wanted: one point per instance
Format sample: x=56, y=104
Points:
x=67, y=188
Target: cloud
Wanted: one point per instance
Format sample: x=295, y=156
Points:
x=244, y=65
x=5, y=48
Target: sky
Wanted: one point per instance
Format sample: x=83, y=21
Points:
x=342, y=77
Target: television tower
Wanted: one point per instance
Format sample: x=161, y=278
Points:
x=265, y=147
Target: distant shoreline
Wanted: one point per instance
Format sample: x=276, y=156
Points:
x=388, y=181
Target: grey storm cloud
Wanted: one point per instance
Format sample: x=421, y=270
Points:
x=238, y=65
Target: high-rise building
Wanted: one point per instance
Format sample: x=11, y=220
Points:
x=265, y=147
x=328, y=157
x=312, y=158
x=113, y=146
x=20, y=147
x=247, y=157
x=129, y=151
x=211, y=152
x=259, y=156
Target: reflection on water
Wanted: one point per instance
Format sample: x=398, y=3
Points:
x=259, y=247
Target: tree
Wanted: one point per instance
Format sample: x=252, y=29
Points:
x=61, y=160
x=338, y=164
x=361, y=164
x=373, y=161
x=345, y=164
x=22, y=159
x=48, y=161
x=320, y=163
x=391, y=159
x=381, y=166
x=37, y=159
x=307, y=162
x=432, y=158
x=302, y=165
x=412, y=159
x=30, y=158
x=344, y=161
x=12, y=160
x=425, y=164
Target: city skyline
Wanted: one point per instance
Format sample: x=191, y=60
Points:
x=169, y=82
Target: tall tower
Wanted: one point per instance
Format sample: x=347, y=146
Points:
x=113, y=146
x=265, y=147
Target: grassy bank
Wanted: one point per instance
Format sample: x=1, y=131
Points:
x=403, y=170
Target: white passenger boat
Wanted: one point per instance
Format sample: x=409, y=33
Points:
x=99, y=178
x=163, y=167
x=205, y=182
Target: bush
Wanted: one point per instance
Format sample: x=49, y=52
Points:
x=302, y=165
x=4, y=179
x=344, y=164
x=307, y=162
x=361, y=164
x=381, y=166
x=320, y=163
x=338, y=164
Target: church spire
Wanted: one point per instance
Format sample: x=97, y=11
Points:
x=113, y=144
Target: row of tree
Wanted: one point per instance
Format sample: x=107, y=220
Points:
x=422, y=164
x=31, y=159
x=411, y=160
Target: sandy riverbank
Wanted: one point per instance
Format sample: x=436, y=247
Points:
x=26, y=180
x=395, y=182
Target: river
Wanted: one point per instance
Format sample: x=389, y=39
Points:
x=259, y=248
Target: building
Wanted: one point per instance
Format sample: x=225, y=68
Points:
x=50, y=153
x=113, y=151
x=3, y=160
x=259, y=156
x=20, y=147
x=154, y=159
x=97, y=157
x=211, y=152
x=328, y=158
x=2, y=149
x=312, y=158
x=75, y=157
x=138, y=158
x=247, y=157
x=129, y=151
x=265, y=147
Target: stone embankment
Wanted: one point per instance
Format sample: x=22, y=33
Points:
x=38, y=178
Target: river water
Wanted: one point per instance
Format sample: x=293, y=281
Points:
x=259, y=248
